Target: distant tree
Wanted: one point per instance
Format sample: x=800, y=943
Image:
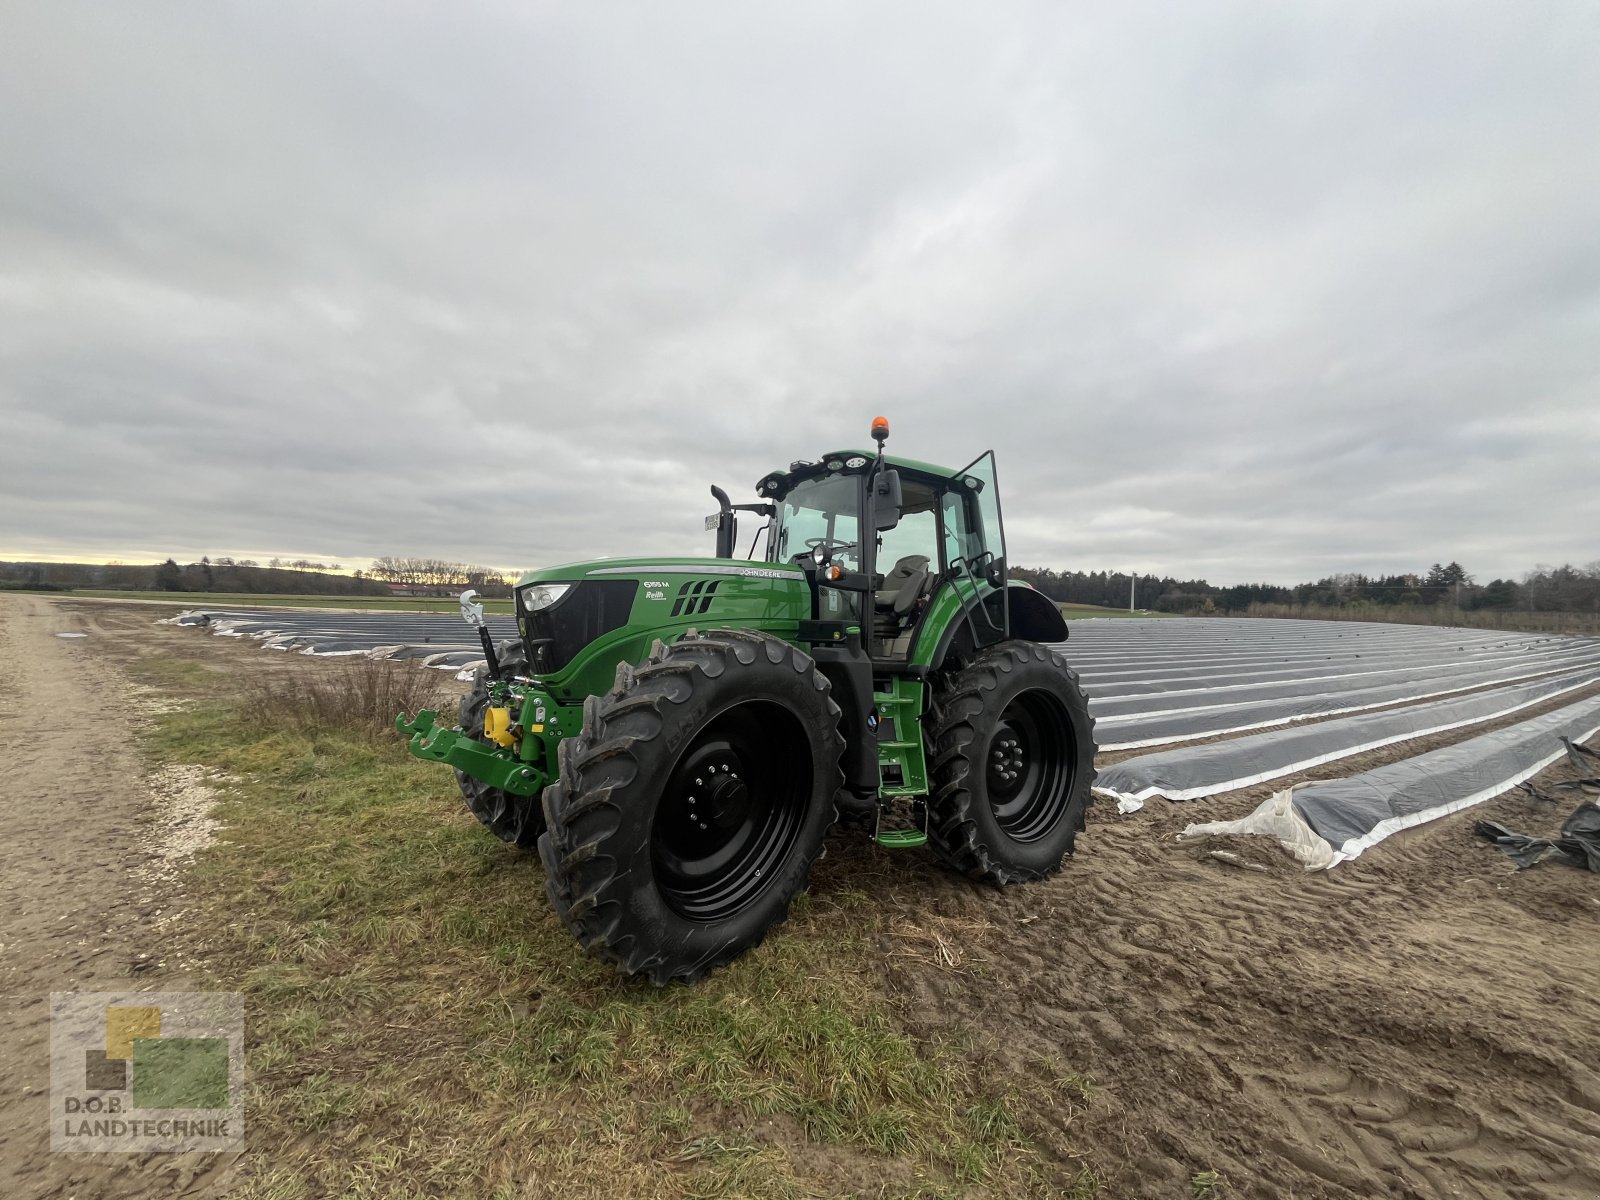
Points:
x=169, y=576
x=1498, y=593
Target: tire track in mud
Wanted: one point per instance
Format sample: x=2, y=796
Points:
x=1415, y=1025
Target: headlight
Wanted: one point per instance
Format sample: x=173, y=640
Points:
x=543, y=595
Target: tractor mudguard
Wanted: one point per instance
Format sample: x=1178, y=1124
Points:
x=1031, y=615
x=1034, y=616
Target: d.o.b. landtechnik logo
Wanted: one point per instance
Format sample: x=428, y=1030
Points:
x=146, y=1071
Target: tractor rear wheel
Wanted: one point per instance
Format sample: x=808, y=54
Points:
x=691, y=806
x=1013, y=760
x=511, y=818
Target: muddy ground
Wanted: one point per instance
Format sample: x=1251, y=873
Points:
x=1423, y=1022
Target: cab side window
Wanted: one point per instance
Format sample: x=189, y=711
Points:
x=960, y=542
x=917, y=533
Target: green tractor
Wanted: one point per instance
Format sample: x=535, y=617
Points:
x=677, y=735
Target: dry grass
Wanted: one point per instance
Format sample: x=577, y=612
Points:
x=358, y=697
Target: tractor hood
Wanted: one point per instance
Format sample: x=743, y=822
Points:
x=640, y=568
x=579, y=620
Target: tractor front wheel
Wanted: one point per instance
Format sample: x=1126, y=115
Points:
x=691, y=806
x=1013, y=759
x=511, y=818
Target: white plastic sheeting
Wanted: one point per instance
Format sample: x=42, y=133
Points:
x=1326, y=823
x=439, y=640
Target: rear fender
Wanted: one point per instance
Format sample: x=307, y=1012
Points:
x=1033, y=617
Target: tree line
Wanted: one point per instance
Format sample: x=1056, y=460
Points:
x=424, y=574
x=1544, y=589
x=297, y=577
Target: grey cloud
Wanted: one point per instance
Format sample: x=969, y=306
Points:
x=1243, y=291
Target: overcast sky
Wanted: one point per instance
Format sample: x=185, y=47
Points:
x=1260, y=291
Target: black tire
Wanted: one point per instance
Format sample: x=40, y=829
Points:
x=1013, y=761
x=639, y=869
x=511, y=818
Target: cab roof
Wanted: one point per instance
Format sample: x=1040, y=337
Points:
x=847, y=462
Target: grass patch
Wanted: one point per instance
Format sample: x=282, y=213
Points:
x=421, y=1024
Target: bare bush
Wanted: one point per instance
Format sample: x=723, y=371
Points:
x=360, y=697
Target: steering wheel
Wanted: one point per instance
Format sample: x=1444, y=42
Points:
x=833, y=548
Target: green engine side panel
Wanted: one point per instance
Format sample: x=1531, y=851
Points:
x=674, y=596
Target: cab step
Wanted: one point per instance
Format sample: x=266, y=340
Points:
x=901, y=839
x=898, y=835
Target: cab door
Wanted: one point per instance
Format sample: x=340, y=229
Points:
x=975, y=548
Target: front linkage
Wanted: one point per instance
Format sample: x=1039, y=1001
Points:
x=490, y=763
x=516, y=750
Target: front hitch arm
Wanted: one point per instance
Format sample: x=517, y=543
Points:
x=472, y=614
x=428, y=739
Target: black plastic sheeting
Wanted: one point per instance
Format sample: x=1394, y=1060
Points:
x=1222, y=675
x=1158, y=682
x=1577, y=846
x=1108, y=684
x=1134, y=731
x=1192, y=699
x=1324, y=824
x=1190, y=772
x=1125, y=648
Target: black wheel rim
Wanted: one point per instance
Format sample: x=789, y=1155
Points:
x=1030, y=765
x=731, y=811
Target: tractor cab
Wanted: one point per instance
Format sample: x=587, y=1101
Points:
x=905, y=562
x=881, y=538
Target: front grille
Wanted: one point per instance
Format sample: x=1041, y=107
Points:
x=592, y=609
x=694, y=598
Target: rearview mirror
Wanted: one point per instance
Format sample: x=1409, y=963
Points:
x=886, y=500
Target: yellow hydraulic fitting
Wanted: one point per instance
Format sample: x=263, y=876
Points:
x=497, y=726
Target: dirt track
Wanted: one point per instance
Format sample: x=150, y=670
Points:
x=82, y=893
x=1423, y=1022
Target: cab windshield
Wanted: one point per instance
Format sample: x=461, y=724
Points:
x=819, y=512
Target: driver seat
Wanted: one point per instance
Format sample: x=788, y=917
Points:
x=895, y=603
